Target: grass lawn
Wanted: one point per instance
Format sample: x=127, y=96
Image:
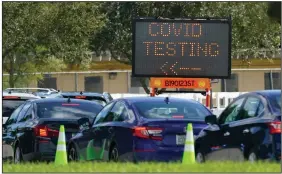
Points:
x=144, y=167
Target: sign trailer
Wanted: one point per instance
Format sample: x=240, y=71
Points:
x=181, y=48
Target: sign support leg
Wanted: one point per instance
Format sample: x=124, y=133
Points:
x=153, y=92
x=208, y=97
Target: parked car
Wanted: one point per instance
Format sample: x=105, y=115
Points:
x=32, y=90
x=12, y=100
x=103, y=98
x=31, y=133
x=54, y=95
x=139, y=129
x=251, y=123
x=41, y=92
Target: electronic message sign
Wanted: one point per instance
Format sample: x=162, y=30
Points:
x=181, y=48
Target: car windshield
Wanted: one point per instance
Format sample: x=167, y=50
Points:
x=68, y=110
x=181, y=110
x=10, y=105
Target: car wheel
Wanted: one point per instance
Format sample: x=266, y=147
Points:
x=114, y=155
x=200, y=158
x=252, y=156
x=18, y=155
x=72, y=154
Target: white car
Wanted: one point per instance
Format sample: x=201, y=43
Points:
x=12, y=100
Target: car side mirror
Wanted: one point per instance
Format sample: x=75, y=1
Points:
x=84, y=123
x=211, y=119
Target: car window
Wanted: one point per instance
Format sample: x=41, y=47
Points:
x=96, y=99
x=253, y=107
x=275, y=102
x=23, y=111
x=101, y=102
x=176, y=109
x=14, y=116
x=10, y=105
x=118, y=113
x=231, y=113
x=28, y=115
x=101, y=115
x=69, y=110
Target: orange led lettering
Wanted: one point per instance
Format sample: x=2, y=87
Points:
x=158, y=48
x=177, y=30
x=150, y=29
x=199, y=31
x=216, y=52
x=186, y=30
x=162, y=29
x=147, y=47
x=182, y=47
x=192, y=49
x=171, y=49
x=203, y=49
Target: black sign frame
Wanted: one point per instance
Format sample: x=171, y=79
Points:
x=181, y=20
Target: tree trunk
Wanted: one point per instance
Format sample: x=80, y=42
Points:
x=11, y=72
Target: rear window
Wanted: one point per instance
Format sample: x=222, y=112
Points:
x=68, y=110
x=9, y=105
x=179, y=110
x=96, y=99
x=101, y=102
x=275, y=102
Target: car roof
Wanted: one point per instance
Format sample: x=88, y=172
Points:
x=22, y=95
x=50, y=100
x=83, y=94
x=40, y=89
x=159, y=98
x=267, y=93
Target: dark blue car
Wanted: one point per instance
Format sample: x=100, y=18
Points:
x=139, y=129
x=250, y=126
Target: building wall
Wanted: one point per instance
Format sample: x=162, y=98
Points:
x=250, y=80
x=66, y=82
x=247, y=81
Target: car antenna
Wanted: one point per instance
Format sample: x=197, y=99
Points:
x=166, y=100
x=69, y=100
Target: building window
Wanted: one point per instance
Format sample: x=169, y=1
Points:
x=272, y=80
x=230, y=85
x=93, y=84
x=47, y=82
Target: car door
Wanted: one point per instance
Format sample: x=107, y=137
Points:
x=229, y=136
x=250, y=130
x=101, y=132
x=25, y=133
x=15, y=132
x=90, y=141
x=7, y=137
x=117, y=130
